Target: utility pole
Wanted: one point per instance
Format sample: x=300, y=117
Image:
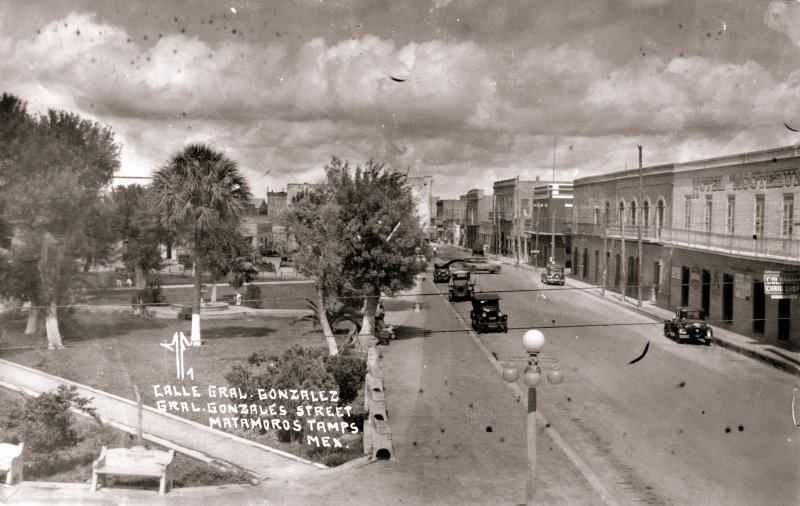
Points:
x=551, y=207
x=605, y=239
x=517, y=212
x=639, y=233
x=624, y=262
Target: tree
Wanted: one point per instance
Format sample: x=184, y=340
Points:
x=378, y=230
x=137, y=225
x=199, y=188
x=229, y=254
x=313, y=220
x=53, y=168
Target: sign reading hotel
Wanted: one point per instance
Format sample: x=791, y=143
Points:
x=782, y=284
x=784, y=178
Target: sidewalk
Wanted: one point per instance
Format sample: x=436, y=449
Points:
x=785, y=359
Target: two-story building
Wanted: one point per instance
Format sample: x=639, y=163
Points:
x=718, y=233
x=478, y=210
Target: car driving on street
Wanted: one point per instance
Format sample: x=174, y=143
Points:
x=688, y=324
x=460, y=286
x=486, y=314
x=478, y=264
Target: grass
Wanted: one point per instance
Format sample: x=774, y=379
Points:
x=114, y=351
x=274, y=296
x=74, y=465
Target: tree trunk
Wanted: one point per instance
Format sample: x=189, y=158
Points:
x=51, y=324
x=333, y=349
x=139, y=278
x=367, y=334
x=33, y=320
x=198, y=286
x=87, y=264
x=214, y=291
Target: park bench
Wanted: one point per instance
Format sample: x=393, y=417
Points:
x=11, y=462
x=136, y=461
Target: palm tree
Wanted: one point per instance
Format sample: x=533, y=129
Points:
x=197, y=189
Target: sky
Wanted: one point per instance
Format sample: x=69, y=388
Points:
x=468, y=92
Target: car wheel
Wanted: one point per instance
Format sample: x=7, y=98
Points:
x=666, y=332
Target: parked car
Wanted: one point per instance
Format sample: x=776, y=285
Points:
x=688, y=324
x=478, y=264
x=553, y=275
x=441, y=273
x=486, y=314
x=460, y=286
x=478, y=251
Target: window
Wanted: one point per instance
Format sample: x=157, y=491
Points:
x=622, y=211
x=758, y=224
x=660, y=214
x=596, y=215
x=687, y=212
x=646, y=213
x=633, y=213
x=707, y=214
x=730, y=215
x=788, y=215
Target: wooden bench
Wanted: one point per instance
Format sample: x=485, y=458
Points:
x=136, y=461
x=11, y=462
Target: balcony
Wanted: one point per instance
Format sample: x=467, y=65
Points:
x=649, y=233
x=744, y=245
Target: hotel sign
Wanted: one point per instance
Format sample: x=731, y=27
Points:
x=784, y=178
x=782, y=284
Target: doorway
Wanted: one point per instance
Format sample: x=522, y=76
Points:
x=706, y=292
x=656, y=279
x=758, y=307
x=685, y=274
x=727, y=298
x=784, y=319
x=617, y=271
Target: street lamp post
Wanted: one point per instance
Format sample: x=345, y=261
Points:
x=533, y=341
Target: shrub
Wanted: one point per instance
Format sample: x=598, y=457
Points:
x=185, y=313
x=311, y=369
x=252, y=296
x=151, y=294
x=45, y=423
x=349, y=372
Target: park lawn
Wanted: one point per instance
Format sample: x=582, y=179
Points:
x=115, y=351
x=273, y=295
x=74, y=465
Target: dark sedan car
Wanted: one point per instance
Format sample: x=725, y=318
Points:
x=486, y=314
x=441, y=273
x=688, y=324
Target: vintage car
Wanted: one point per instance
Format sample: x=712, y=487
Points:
x=486, y=314
x=478, y=264
x=441, y=273
x=553, y=275
x=460, y=286
x=478, y=251
x=688, y=324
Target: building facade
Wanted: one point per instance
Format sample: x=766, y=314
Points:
x=422, y=193
x=548, y=226
x=716, y=234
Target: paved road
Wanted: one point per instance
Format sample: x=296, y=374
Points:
x=685, y=425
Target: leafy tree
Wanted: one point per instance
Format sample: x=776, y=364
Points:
x=98, y=236
x=197, y=189
x=53, y=168
x=140, y=230
x=379, y=231
x=229, y=254
x=313, y=220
